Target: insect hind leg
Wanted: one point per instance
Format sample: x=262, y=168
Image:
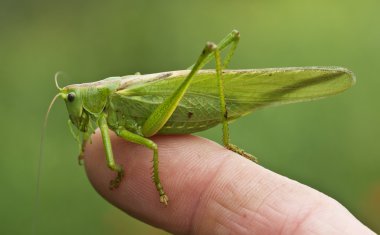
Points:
x=241, y=152
x=223, y=106
x=162, y=113
x=231, y=39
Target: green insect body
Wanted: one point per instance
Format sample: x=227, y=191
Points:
x=179, y=102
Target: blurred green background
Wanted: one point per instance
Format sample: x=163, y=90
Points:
x=331, y=144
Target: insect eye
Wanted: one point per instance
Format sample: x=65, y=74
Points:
x=71, y=97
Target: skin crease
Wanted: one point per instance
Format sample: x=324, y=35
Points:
x=213, y=191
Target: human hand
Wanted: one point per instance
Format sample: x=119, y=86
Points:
x=213, y=191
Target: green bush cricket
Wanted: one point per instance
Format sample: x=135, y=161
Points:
x=137, y=107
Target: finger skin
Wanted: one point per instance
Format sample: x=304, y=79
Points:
x=213, y=191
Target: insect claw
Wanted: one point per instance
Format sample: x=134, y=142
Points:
x=80, y=159
x=164, y=199
x=115, y=183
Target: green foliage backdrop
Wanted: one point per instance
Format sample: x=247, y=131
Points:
x=331, y=145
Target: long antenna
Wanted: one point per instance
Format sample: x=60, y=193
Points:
x=37, y=195
x=56, y=79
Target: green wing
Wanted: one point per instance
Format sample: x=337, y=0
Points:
x=245, y=91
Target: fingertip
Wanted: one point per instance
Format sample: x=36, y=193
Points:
x=210, y=190
x=186, y=164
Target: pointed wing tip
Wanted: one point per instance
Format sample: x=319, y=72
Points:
x=342, y=72
x=350, y=75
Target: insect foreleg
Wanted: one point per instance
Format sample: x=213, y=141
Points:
x=75, y=135
x=102, y=122
x=86, y=137
x=129, y=136
x=223, y=107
